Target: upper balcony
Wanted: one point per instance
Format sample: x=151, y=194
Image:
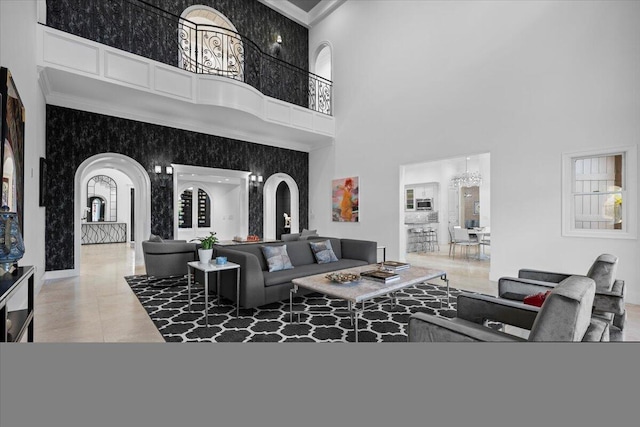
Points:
x=193, y=76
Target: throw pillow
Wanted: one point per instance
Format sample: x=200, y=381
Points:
x=536, y=299
x=277, y=257
x=323, y=252
x=154, y=238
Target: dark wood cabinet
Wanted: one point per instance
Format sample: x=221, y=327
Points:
x=20, y=319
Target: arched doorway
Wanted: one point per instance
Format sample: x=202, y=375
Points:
x=209, y=43
x=269, y=194
x=283, y=209
x=141, y=206
x=320, y=82
x=323, y=62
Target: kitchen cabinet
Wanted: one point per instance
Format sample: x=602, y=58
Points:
x=409, y=199
x=429, y=190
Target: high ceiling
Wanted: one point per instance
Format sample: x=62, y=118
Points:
x=304, y=12
x=305, y=5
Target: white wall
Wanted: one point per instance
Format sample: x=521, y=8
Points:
x=17, y=53
x=524, y=81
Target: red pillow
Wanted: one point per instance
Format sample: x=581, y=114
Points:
x=536, y=299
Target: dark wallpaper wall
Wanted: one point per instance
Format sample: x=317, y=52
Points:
x=73, y=136
x=132, y=26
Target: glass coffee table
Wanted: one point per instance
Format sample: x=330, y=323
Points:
x=364, y=290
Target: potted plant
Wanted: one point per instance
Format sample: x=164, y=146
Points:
x=206, y=247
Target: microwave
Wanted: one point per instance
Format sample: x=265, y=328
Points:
x=424, y=204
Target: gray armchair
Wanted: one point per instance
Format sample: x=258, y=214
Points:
x=608, y=302
x=168, y=258
x=564, y=316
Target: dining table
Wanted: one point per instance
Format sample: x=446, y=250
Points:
x=480, y=234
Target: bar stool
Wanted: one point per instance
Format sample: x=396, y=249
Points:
x=432, y=240
x=417, y=234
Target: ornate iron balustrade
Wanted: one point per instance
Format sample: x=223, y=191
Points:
x=144, y=29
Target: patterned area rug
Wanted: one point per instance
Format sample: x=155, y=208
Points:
x=166, y=301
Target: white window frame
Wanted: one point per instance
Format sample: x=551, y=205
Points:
x=629, y=194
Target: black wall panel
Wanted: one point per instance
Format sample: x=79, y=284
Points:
x=73, y=136
x=132, y=26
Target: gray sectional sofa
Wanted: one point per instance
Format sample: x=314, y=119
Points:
x=258, y=286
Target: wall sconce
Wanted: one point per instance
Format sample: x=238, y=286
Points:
x=276, y=47
x=255, y=180
x=168, y=171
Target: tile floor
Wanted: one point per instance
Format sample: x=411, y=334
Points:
x=99, y=306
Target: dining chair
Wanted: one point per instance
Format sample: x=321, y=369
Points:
x=461, y=238
x=486, y=237
x=452, y=241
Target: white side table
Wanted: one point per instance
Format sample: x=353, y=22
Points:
x=211, y=267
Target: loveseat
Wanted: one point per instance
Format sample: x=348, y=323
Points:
x=258, y=286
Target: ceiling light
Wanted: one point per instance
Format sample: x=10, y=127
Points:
x=466, y=179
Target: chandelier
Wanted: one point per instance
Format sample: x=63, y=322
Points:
x=466, y=179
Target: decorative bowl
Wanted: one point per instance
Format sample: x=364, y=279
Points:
x=343, y=278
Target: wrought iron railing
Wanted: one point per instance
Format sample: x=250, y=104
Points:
x=147, y=30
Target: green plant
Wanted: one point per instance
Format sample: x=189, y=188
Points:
x=209, y=241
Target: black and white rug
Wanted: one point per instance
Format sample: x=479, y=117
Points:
x=166, y=301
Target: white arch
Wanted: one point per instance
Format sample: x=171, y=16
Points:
x=269, y=197
x=322, y=52
x=206, y=15
x=210, y=13
x=142, y=184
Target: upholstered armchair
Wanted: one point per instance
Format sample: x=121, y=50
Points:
x=608, y=302
x=166, y=258
x=565, y=315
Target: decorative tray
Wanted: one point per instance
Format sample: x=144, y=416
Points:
x=343, y=278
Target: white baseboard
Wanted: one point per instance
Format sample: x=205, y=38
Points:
x=60, y=274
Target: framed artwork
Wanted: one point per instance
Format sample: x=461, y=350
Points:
x=345, y=199
x=12, y=134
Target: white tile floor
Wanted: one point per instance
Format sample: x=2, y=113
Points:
x=99, y=306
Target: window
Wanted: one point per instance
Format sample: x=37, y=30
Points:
x=186, y=211
x=599, y=193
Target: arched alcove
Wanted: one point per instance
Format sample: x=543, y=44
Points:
x=269, y=195
x=320, y=94
x=209, y=43
x=323, y=63
x=142, y=205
